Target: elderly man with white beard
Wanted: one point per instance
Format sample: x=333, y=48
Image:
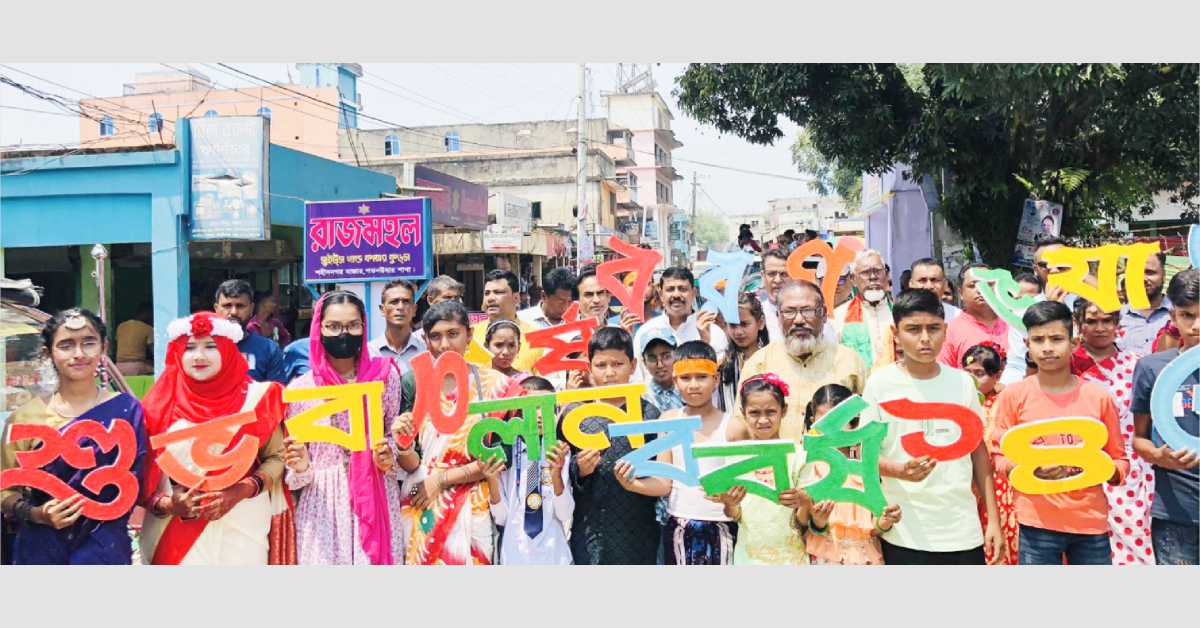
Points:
x=864, y=323
x=806, y=358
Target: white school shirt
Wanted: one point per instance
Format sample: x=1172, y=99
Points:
x=550, y=547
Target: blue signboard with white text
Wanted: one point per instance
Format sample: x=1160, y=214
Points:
x=230, y=178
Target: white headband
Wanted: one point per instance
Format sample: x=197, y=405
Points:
x=221, y=327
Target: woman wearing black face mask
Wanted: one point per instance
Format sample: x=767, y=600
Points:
x=349, y=501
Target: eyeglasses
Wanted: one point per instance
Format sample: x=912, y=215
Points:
x=354, y=328
x=810, y=313
x=872, y=272
x=659, y=360
x=90, y=347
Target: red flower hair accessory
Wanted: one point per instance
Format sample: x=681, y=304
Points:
x=201, y=326
x=995, y=347
x=771, y=379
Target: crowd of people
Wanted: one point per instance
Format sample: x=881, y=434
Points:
x=420, y=497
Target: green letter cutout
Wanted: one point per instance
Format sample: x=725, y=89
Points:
x=525, y=426
x=763, y=454
x=822, y=444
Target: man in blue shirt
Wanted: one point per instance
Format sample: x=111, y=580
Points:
x=235, y=301
x=1140, y=327
x=1175, y=510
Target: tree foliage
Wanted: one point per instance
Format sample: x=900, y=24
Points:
x=711, y=230
x=1101, y=139
x=829, y=176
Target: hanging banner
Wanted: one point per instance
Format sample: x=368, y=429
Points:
x=457, y=203
x=1039, y=219
x=371, y=240
x=230, y=178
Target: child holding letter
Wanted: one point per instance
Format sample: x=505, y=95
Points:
x=843, y=533
x=941, y=523
x=697, y=531
x=767, y=532
x=1074, y=522
x=532, y=501
x=612, y=526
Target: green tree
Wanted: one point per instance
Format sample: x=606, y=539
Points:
x=1100, y=139
x=829, y=176
x=711, y=230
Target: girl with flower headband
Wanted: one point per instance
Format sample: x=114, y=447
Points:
x=348, y=513
x=985, y=362
x=842, y=533
x=768, y=533
x=52, y=531
x=697, y=530
x=248, y=523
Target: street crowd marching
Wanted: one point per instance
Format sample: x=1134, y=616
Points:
x=786, y=372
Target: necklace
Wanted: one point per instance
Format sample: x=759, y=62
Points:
x=63, y=403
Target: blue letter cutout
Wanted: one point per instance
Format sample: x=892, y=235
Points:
x=1162, y=397
x=729, y=267
x=677, y=432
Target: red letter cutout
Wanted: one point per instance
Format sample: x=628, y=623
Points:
x=969, y=425
x=555, y=358
x=118, y=434
x=217, y=432
x=636, y=259
x=835, y=261
x=429, y=376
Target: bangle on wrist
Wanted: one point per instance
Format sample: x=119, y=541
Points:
x=812, y=525
x=879, y=520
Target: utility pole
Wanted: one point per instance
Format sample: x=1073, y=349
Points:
x=692, y=223
x=585, y=244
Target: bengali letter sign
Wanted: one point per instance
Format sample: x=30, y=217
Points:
x=369, y=240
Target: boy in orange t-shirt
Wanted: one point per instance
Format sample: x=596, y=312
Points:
x=1072, y=523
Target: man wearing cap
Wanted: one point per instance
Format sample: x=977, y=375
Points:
x=657, y=349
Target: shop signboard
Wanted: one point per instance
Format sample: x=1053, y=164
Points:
x=230, y=178
x=513, y=213
x=457, y=203
x=369, y=240
x=502, y=242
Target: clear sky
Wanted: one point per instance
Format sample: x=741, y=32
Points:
x=444, y=93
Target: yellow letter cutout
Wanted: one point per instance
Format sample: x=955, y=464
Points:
x=352, y=398
x=1104, y=293
x=594, y=406
x=1018, y=445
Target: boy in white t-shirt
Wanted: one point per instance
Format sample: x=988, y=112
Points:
x=941, y=520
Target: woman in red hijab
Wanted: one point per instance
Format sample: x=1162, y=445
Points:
x=205, y=383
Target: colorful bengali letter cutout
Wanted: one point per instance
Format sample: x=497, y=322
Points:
x=524, y=425
x=1018, y=444
x=836, y=260
x=822, y=444
x=555, y=358
x=1104, y=293
x=1162, y=401
x=1000, y=291
x=595, y=404
x=353, y=398
x=767, y=454
x=66, y=445
x=636, y=259
x=478, y=354
x=679, y=432
x=970, y=428
x=730, y=268
x=429, y=377
x=222, y=468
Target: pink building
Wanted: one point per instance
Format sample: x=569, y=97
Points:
x=151, y=104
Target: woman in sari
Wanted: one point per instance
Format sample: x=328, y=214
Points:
x=446, y=511
x=247, y=523
x=54, y=531
x=348, y=513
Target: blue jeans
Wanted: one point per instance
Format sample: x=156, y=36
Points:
x=1175, y=543
x=1046, y=547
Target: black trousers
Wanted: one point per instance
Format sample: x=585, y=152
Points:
x=896, y=555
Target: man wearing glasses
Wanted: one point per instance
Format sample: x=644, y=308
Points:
x=806, y=358
x=863, y=323
x=774, y=273
x=398, y=306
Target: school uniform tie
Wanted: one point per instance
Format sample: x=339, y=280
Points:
x=533, y=495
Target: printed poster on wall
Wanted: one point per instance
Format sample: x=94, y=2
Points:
x=1038, y=219
x=230, y=178
x=370, y=240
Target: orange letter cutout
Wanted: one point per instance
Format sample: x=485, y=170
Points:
x=429, y=377
x=555, y=358
x=206, y=436
x=636, y=259
x=835, y=261
x=66, y=445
